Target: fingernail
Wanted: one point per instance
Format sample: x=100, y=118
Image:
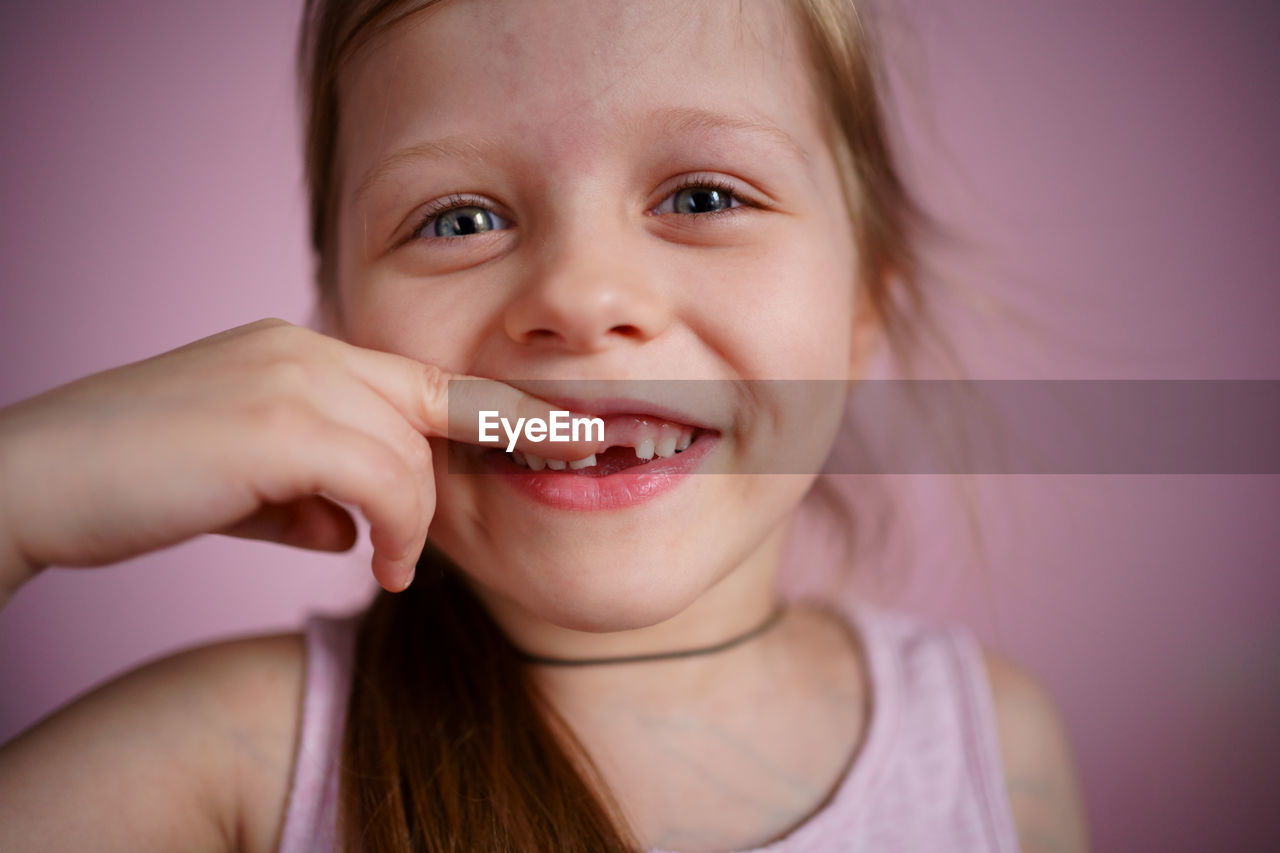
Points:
x=408, y=579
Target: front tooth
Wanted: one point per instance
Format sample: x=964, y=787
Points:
x=645, y=450
x=537, y=463
x=557, y=464
x=584, y=462
x=686, y=439
x=666, y=446
x=518, y=457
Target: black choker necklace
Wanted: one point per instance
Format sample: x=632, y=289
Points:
x=718, y=647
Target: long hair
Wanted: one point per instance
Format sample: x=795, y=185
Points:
x=449, y=746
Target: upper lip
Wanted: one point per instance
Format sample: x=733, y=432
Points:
x=606, y=406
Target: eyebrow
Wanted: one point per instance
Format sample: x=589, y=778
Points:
x=671, y=120
x=693, y=119
x=464, y=148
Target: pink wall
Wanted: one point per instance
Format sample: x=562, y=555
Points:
x=1112, y=163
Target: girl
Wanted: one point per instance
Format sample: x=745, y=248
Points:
x=567, y=198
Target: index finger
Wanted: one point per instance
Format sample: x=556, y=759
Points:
x=462, y=407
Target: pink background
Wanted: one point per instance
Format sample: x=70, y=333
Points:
x=1112, y=164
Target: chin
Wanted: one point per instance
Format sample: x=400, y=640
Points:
x=599, y=593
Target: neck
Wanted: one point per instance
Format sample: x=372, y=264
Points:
x=741, y=600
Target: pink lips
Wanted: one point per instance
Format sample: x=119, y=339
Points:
x=571, y=490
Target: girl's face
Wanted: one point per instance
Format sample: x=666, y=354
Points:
x=585, y=147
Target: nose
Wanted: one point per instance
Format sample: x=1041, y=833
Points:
x=583, y=294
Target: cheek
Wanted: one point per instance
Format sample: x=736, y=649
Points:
x=393, y=313
x=787, y=312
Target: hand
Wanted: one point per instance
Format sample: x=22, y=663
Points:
x=258, y=431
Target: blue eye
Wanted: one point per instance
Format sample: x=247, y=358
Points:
x=457, y=217
x=464, y=220
x=702, y=198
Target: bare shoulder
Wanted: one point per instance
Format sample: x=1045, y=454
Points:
x=1044, y=792
x=193, y=751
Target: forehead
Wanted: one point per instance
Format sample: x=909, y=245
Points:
x=567, y=82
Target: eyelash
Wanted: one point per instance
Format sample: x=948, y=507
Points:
x=453, y=202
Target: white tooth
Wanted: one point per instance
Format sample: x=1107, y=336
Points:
x=645, y=449
x=585, y=462
x=666, y=446
x=686, y=439
x=557, y=464
x=518, y=457
x=537, y=463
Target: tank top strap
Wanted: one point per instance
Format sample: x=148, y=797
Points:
x=311, y=814
x=932, y=777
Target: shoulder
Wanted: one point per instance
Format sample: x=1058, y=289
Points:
x=1044, y=793
x=191, y=751
x=252, y=692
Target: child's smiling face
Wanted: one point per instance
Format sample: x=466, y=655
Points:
x=566, y=128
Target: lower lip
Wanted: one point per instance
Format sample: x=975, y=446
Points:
x=569, y=490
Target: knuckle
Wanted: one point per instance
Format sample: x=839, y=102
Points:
x=280, y=417
x=417, y=459
x=276, y=337
x=287, y=376
x=396, y=493
x=290, y=340
x=434, y=396
x=419, y=454
x=268, y=331
x=387, y=472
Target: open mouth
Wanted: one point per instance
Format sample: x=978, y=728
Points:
x=631, y=445
x=643, y=456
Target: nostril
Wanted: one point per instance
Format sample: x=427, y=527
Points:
x=582, y=339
